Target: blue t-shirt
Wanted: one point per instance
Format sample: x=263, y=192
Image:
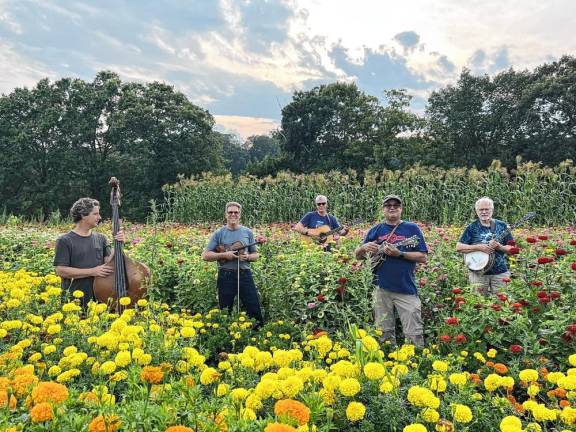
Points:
x=227, y=236
x=477, y=233
x=314, y=220
x=397, y=274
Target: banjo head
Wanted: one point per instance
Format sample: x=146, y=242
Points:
x=476, y=261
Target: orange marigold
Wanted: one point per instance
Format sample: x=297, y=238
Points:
x=49, y=391
x=152, y=374
x=293, y=409
x=42, y=412
x=564, y=403
x=279, y=427
x=6, y=401
x=4, y=383
x=23, y=383
x=110, y=423
x=178, y=429
x=501, y=368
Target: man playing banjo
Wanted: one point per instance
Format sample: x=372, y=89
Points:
x=479, y=244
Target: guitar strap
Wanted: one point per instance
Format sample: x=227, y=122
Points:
x=392, y=232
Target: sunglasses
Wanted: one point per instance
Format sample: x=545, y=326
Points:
x=319, y=204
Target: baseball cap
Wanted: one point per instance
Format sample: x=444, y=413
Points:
x=390, y=198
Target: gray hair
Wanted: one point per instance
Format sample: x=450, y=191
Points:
x=320, y=197
x=83, y=207
x=232, y=204
x=488, y=200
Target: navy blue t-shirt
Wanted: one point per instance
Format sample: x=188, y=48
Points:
x=477, y=233
x=397, y=274
x=314, y=220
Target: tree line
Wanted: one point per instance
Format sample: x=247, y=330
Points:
x=64, y=139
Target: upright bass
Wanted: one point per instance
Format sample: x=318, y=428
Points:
x=129, y=278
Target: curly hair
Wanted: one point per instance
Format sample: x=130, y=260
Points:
x=82, y=208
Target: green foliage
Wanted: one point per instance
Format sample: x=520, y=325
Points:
x=430, y=194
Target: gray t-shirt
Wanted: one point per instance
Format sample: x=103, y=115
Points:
x=74, y=250
x=226, y=236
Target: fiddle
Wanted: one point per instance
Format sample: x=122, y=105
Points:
x=238, y=247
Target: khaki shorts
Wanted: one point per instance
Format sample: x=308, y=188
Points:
x=409, y=309
x=488, y=284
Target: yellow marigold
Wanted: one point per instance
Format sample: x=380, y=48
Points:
x=572, y=360
x=239, y=394
x=415, y=427
x=209, y=375
x=374, y=371
x=278, y=427
x=567, y=383
x=430, y=415
x=293, y=409
x=528, y=375
x=109, y=423
x=41, y=412
x=370, y=344
x=462, y=413
x=107, y=367
x=179, y=429
x=440, y=366
x=422, y=397
x=349, y=387
x=458, y=379
x=568, y=416
x=355, y=411
x=49, y=391
x=152, y=374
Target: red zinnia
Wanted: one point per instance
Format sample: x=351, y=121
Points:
x=321, y=297
x=531, y=240
x=516, y=349
x=502, y=297
x=452, y=321
x=445, y=338
x=342, y=280
x=536, y=283
x=571, y=328
x=545, y=260
x=514, y=250
x=555, y=294
x=461, y=338
x=511, y=243
x=560, y=252
x=574, y=266
x=506, y=280
x=456, y=291
x=573, y=242
x=496, y=307
x=543, y=237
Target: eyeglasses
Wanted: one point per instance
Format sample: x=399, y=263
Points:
x=319, y=204
x=233, y=212
x=392, y=206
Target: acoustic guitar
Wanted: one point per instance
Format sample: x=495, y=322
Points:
x=480, y=262
x=323, y=233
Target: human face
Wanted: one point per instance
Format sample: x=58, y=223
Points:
x=484, y=211
x=392, y=210
x=93, y=218
x=322, y=206
x=233, y=215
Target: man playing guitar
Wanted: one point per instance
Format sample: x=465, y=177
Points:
x=314, y=222
x=480, y=236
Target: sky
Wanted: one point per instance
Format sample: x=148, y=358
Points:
x=242, y=60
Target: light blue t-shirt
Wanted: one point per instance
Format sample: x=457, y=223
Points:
x=226, y=236
x=478, y=233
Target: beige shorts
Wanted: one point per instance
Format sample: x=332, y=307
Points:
x=409, y=309
x=488, y=284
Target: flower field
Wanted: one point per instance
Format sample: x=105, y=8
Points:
x=175, y=363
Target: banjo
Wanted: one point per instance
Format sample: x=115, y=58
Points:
x=480, y=262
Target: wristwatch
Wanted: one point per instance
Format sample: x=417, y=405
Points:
x=401, y=254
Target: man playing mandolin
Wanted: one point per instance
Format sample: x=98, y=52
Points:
x=316, y=224
x=395, y=271
x=480, y=236
x=233, y=246
x=81, y=254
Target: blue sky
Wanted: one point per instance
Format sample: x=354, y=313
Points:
x=243, y=59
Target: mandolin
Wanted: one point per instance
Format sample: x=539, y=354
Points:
x=378, y=258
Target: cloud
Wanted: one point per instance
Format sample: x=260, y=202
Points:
x=408, y=39
x=19, y=71
x=245, y=126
